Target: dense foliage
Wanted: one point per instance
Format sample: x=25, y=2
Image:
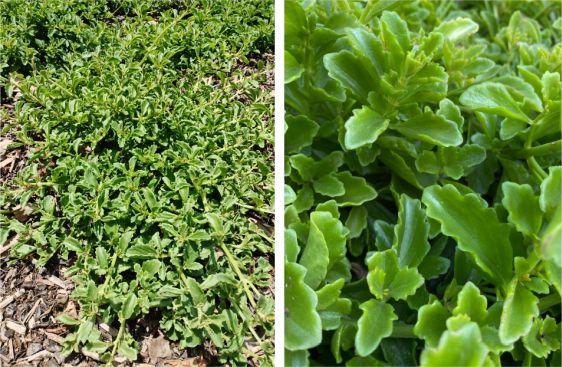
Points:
x=422, y=196
x=150, y=127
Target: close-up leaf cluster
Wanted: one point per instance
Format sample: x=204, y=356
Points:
x=149, y=127
x=422, y=183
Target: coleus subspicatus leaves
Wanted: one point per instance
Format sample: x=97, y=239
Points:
x=446, y=115
x=151, y=167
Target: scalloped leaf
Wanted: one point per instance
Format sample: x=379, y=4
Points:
x=492, y=98
x=551, y=191
x=300, y=132
x=471, y=303
x=430, y=128
x=543, y=338
x=523, y=208
x=460, y=347
x=411, y=232
x=363, y=128
x=328, y=294
x=293, y=70
x=303, y=328
x=325, y=247
x=475, y=227
x=386, y=279
x=357, y=190
x=457, y=29
x=519, y=309
x=374, y=324
x=432, y=322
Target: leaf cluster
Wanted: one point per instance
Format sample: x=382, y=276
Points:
x=422, y=183
x=150, y=169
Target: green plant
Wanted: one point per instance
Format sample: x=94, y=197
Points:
x=422, y=196
x=151, y=172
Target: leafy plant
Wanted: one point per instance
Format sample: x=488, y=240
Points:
x=422, y=183
x=150, y=169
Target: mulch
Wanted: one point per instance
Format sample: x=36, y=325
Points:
x=30, y=336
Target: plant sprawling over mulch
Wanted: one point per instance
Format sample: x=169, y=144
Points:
x=149, y=131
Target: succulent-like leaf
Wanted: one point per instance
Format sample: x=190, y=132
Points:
x=363, y=128
x=431, y=323
x=453, y=348
x=431, y=128
x=411, y=232
x=493, y=98
x=519, y=309
x=374, y=324
x=303, y=328
x=386, y=279
x=471, y=303
x=523, y=208
x=476, y=229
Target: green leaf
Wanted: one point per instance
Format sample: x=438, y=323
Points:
x=476, y=229
x=348, y=70
x=300, y=133
x=363, y=128
x=215, y=222
x=215, y=279
x=289, y=195
x=431, y=323
x=128, y=307
x=329, y=185
x=325, y=247
x=292, y=248
x=433, y=266
x=141, y=251
x=451, y=112
x=492, y=98
x=68, y=320
x=543, y=338
x=523, y=90
x=127, y=351
x=551, y=242
x=411, y=232
x=523, y=208
x=293, y=70
x=356, y=221
x=430, y=128
x=374, y=324
x=328, y=294
x=519, y=309
x=357, y=190
x=303, y=328
x=551, y=189
x=297, y=358
x=397, y=27
x=457, y=29
x=471, y=303
x=73, y=245
x=386, y=279
x=460, y=347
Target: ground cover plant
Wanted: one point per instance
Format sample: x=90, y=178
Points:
x=422, y=171
x=149, y=130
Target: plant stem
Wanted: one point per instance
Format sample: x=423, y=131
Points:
x=266, y=211
x=548, y=301
x=116, y=343
x=539, y=150
x=536, y=168
x=403, y=331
